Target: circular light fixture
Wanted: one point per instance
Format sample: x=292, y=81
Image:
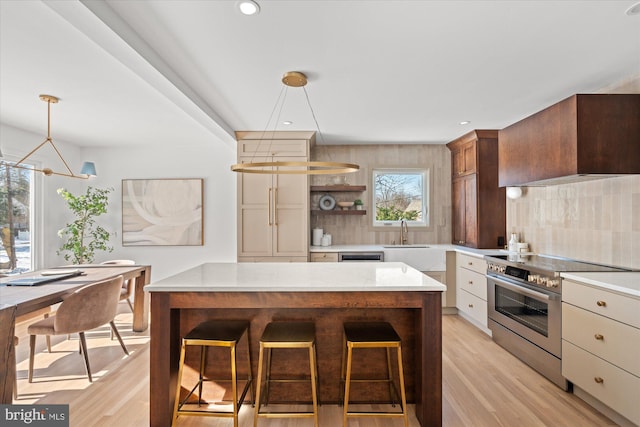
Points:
x=464, y=122
x=287, y=122
x=633, y=9
x=248, y=7
x=296, y=168
x=296, y=79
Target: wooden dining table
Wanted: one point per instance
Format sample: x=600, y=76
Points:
x=16, y=301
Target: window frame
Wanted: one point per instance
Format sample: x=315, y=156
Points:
x=35, y=211
x=426, y=194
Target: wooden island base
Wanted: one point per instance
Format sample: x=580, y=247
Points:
x=415, y=315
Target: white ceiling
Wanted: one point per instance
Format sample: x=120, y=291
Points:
x=191, y=72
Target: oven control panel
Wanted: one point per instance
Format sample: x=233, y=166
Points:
x=548, y=282
x=540, y=280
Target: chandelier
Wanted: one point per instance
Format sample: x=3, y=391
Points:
x=88, y=168
x=295, y=79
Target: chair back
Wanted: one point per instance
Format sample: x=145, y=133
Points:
x=119, y=262
x=89, y=307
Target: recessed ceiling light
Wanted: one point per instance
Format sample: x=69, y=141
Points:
x=634, y=9
x=287, y=122
x=248, y=7
x=464, y=122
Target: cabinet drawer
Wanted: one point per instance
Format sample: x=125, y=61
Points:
x=610, y=340
x=472, y=282
x=624, y=309
x=324, y=257
x=478, y=265
x=473, y=306
x=609, y=384
x=275, y=147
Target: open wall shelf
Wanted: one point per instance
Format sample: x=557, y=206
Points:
x=338, y=212
x=354, y=188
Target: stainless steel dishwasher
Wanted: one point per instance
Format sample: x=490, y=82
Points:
x=360, y=256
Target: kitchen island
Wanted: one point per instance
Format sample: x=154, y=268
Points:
x=326, y=293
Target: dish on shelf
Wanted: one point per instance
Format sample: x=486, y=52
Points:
x=327, y=202
x=345, y=205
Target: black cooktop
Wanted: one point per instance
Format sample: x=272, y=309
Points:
x=551, y=264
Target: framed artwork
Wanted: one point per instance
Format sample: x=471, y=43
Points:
x=162, y=212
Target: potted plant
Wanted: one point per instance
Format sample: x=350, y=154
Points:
x=82, y=237
x=358, y=204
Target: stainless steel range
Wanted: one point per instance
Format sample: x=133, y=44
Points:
x=525, y=307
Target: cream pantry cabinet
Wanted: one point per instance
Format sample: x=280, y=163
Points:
x=273, y=209
x=600, y=346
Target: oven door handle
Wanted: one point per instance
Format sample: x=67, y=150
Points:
x=521, y=289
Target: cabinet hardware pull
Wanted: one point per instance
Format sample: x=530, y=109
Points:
x=470, y=305
x=469, y=263
x=269, y=211
x=275, y=206
x=599, y=337
x=601, y=303
x=599, y=380
x=471, y=282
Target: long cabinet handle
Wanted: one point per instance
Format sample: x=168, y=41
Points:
x=275, y=204
x=269, y=211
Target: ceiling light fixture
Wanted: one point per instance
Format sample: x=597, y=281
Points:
x=294, y=79
x=88, y=168
x=634, y=9
x=248, y=7
x=464, y=122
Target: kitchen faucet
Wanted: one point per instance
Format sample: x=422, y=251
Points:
x=404, y=231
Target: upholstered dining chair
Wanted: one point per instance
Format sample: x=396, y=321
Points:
x=87, y=308
x=127, y=288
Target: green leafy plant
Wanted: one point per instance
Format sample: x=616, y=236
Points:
x=82, y=236
x=357, y=202
x=394, y=214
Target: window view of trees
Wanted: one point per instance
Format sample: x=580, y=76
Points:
x=400, y=195
x=15, y=227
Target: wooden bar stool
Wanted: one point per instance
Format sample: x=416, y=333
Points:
x=369, y=335
x=214, y=333
x=288, y=335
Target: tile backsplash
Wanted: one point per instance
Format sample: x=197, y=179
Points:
x=595, y=221
x=351, y=229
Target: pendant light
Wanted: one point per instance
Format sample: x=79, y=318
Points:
x=88, y=168
x=295, y=79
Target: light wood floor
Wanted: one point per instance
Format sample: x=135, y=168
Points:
x=483, y=385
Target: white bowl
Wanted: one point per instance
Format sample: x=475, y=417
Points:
x=345, y=205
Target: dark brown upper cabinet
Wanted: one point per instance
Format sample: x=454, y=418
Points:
x=478, y=204
x=581, y=137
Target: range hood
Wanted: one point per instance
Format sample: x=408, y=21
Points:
x=586, y=136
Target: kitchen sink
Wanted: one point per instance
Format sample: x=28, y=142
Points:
x=420, y=257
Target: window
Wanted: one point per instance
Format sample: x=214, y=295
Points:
x=400, y=194
x=15, y=219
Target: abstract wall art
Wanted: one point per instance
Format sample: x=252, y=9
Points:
x=162, y=212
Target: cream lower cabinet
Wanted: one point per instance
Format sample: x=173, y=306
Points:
x=601, y=346
x=471, y=289
x=273, y=209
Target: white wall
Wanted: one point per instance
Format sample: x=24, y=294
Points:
x=209, y=162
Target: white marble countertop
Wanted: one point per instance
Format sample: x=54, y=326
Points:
x=298, y=277
x=627, y=283
x=382, y=248
x=478, y=253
